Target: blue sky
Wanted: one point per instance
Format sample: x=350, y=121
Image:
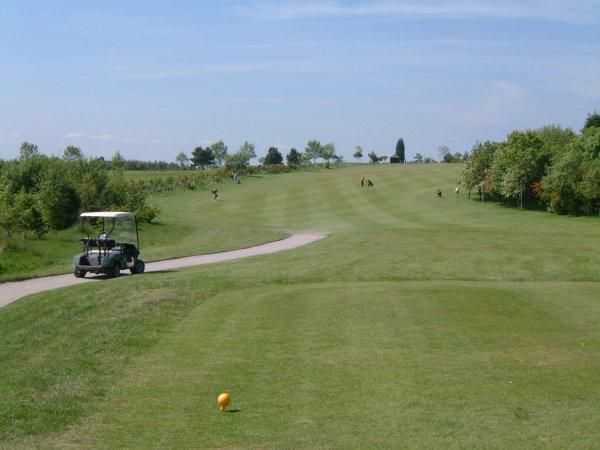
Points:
x=152, y=78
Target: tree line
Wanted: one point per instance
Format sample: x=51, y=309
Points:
x=551, y=168
x=39, y=193
x=399, y=155
x=217, y=155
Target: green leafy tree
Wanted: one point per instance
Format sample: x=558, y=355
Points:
x=219, y=150
x=358, y=152
x=147, y=213
x=555, y=140
x=418, y=158
x=72, y=153
x=327, y=153
x=338, y=159
x=401, y=151
x=29, y=216
x=28, y=150
x=91, y=185
x=118, y=161
x=592, y=121
x=561, y=185
x=573, y=184
x=182, y=159
x=373, y=158
x=26, y=173
x=247, y=150
x=136, y=195
x=294, y=158
x=589, y=187
x=240, y=160
x=313, y=150
x=519, y=164
x=479, y=166
x=273, y=157
x=9, y=218
x=203, y=157
x=443, y=152
x=115, y=194
x=59, y=200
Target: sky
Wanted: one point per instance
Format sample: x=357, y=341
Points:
x=153, y=78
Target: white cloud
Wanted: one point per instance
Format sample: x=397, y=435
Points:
x=94, y=137
x=582, y=11
x=194, y=71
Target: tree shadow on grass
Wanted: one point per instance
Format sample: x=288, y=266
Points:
x=232, y=411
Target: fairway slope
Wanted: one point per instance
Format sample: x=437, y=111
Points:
x=419, y=323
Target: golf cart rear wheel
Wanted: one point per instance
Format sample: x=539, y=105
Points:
x=79, y=273
x=115, y=271
x=138, y=267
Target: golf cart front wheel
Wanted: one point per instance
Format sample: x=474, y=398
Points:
x=138, y=267
x=79, y=273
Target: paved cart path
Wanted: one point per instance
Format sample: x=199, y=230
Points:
x=13, y=291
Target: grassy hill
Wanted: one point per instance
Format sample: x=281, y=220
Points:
x=418, y=323
x=189, y=224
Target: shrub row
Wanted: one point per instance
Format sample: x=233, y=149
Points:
x=551, y=168
x=40, y=193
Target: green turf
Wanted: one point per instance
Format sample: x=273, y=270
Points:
x=418, y=323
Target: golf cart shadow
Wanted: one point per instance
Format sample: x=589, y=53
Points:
x=103, y=276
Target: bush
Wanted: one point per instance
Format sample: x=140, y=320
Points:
x=59, y=201
x=28, y=215
x=273, y=157
x=276, y=168
x=8, y=213
x=550, y=167
x=147, y=214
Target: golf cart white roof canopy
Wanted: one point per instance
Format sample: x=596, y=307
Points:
x=108, y=214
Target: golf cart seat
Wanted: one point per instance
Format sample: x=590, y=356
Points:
x=130, y=251
x=106, y=243
x=89, y=242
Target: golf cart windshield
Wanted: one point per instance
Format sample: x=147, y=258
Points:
x=117, y=226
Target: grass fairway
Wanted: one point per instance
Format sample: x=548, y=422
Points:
x=419, y=323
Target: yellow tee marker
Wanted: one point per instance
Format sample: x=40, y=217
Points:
x=223, y=401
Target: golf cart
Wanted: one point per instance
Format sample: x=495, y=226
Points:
x=112, y=244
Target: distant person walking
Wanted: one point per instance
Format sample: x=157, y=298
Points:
x=370, y=183
x=362, y=182
x=215, y=193
x=439, y=193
